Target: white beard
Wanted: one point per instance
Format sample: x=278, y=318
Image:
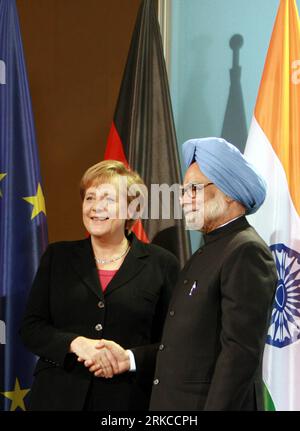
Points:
x=206, y=214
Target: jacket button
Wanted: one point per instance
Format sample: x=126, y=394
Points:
x=101, y=304
x=98, y=327
x=161, y=347
x=200, y=250
x=156, y=381
x=172, y=312
x=185, y=281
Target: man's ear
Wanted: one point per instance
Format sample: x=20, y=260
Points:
x=228, y=199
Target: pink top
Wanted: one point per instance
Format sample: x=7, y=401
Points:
x=105, y=276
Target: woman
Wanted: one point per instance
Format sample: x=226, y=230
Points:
x=109, y=286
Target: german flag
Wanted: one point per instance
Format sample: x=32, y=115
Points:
x=143, y=134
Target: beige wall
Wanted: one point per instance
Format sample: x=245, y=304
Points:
x=75, y=52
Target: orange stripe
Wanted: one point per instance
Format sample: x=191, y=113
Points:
x=278, y=103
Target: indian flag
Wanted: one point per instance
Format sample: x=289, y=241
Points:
x=274, y=147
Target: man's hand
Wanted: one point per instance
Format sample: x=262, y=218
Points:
x=88, y=352
x=110, y=354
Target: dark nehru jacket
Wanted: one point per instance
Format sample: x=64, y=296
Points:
x=213, y=340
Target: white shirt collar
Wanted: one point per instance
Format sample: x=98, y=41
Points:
x=229, y=221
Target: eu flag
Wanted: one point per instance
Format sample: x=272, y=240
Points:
x=23, y=228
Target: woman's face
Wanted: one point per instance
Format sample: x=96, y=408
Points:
x=104, y=210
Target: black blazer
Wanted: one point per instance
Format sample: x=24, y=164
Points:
x=215, y=331
x=66, y=300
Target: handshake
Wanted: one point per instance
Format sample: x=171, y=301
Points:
x=104, y=358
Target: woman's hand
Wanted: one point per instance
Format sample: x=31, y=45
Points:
x=117, y=352
x=88, y=352
x=109, y=354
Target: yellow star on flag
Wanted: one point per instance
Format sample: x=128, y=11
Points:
x=1, y=178
x=38, y=202
x=16, y=396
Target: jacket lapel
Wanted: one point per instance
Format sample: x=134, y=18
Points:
x=84, y=264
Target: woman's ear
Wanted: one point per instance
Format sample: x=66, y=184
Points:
x=133, y=211
x=127, y=228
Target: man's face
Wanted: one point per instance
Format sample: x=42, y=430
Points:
x=203, y=203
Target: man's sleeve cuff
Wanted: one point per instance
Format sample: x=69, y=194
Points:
x=132, y=361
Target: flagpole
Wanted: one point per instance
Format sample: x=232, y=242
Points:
x=164, y=19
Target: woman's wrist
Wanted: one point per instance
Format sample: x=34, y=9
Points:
x=74, y=344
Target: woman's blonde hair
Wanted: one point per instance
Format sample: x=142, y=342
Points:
x=108, y=170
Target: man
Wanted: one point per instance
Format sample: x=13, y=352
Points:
x=211, y=351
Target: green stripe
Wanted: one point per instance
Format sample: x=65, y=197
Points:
x=268, y=402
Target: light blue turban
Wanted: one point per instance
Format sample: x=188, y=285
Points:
x=224, y=165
